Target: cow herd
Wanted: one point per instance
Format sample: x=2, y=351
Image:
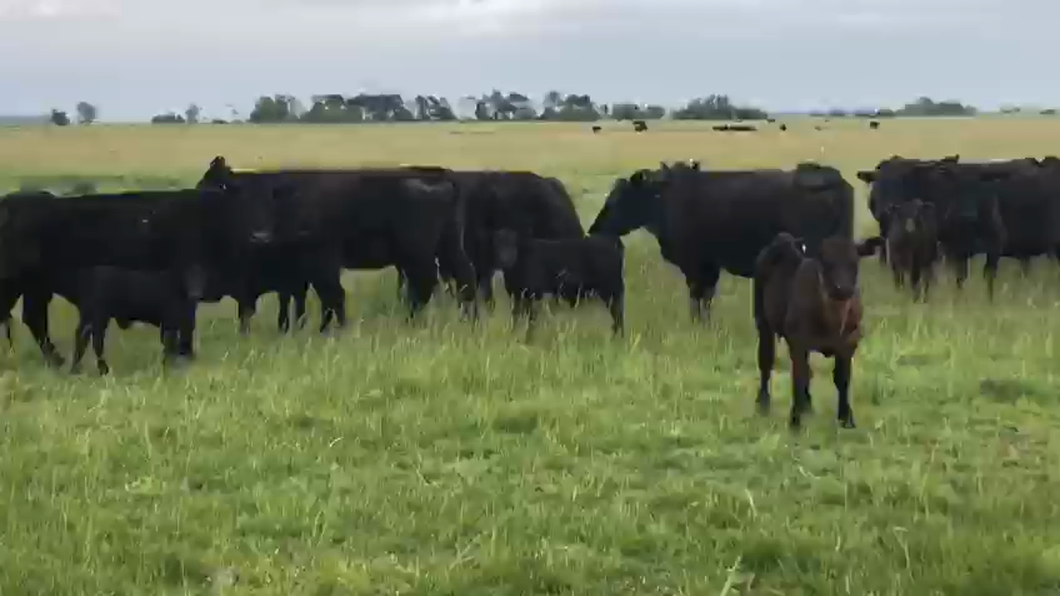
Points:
x=153, y=256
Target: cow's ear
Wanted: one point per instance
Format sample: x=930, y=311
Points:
x=637, y=178
x=867, y=176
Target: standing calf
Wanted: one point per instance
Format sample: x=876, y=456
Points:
x=814, y=304
x=912, y=243
x=571, y=269
x=102, y=293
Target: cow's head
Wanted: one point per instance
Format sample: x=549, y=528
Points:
x=910, y=217
x=838, y=258
x=633, y=202
x=218, y=175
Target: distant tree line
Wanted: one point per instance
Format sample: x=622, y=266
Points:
x=510, y=106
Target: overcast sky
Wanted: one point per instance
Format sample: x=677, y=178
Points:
x=136, y=58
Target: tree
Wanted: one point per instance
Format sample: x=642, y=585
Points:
x=86, y=113
x=279, y=108
x=168, y=118
x=925, y=106
x=59, y=118
x=191, y=114
x=718, y=107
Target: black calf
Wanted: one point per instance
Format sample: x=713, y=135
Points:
x=570, y=269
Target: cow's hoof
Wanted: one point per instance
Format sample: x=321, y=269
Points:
x=104, y=369
x=762, y=405
x=55, y=361
x=848, y=423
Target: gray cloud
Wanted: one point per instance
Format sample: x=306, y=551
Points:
x=137, y=57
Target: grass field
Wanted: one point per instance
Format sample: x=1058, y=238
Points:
x=442, y=458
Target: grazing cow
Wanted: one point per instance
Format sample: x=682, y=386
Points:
x=783, y=127
x=706, y=222
x=597, y=129
x=582, y=267
x=912, y=241
x=365, y=219
x=771, y=120
x=640, y=126
x=103, y=293
x=813, y=303
x=182, y=232
x=873, y=124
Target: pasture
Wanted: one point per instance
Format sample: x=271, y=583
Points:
x=443, y=458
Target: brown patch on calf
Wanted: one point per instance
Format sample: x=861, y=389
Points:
x=815, y=305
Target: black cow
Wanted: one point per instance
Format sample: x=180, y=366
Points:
x=912, y=240
x=640, y=126
x=104, y=293
x=873, y=125
x=182, y=232
x=535, y=205
x=1003, y=208
x=363, y=219
x=783, y=127
x=709, y=221
x=575, y=267
x=597, y=129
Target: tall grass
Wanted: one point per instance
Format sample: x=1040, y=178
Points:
x=445, y=458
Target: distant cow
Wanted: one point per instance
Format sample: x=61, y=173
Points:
x=582, y=267
x=640, y=126
x=597, y=129
x=783, y=127
x=912, y=241
x=771, y=120
x=707, y=221
x=102, y=294
x=873, y=124
x=813, y=303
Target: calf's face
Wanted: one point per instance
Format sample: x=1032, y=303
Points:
x=839, y=264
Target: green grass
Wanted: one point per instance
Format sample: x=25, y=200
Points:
x=440, y=458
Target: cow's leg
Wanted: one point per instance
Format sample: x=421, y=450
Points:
x=841, y=377
x=617, y=306
x=327, y=283
x=1025, y=266
x=170, y=343
x=81, y=336
x=99, y=338
x=800, y=384
x=453, y=262
x=915, y=277
x=960, y=267
x=247, y=308
x=186, y=331
x=993, y=260
x=35, y=317
x=532, y=311
x=283, y=312
x=767, y=355
x=422, y=280
x=299, y=304
x=896, y=274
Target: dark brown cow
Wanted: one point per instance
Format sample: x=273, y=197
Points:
x=912, y=241
x=814, y=304
x=640, y=126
